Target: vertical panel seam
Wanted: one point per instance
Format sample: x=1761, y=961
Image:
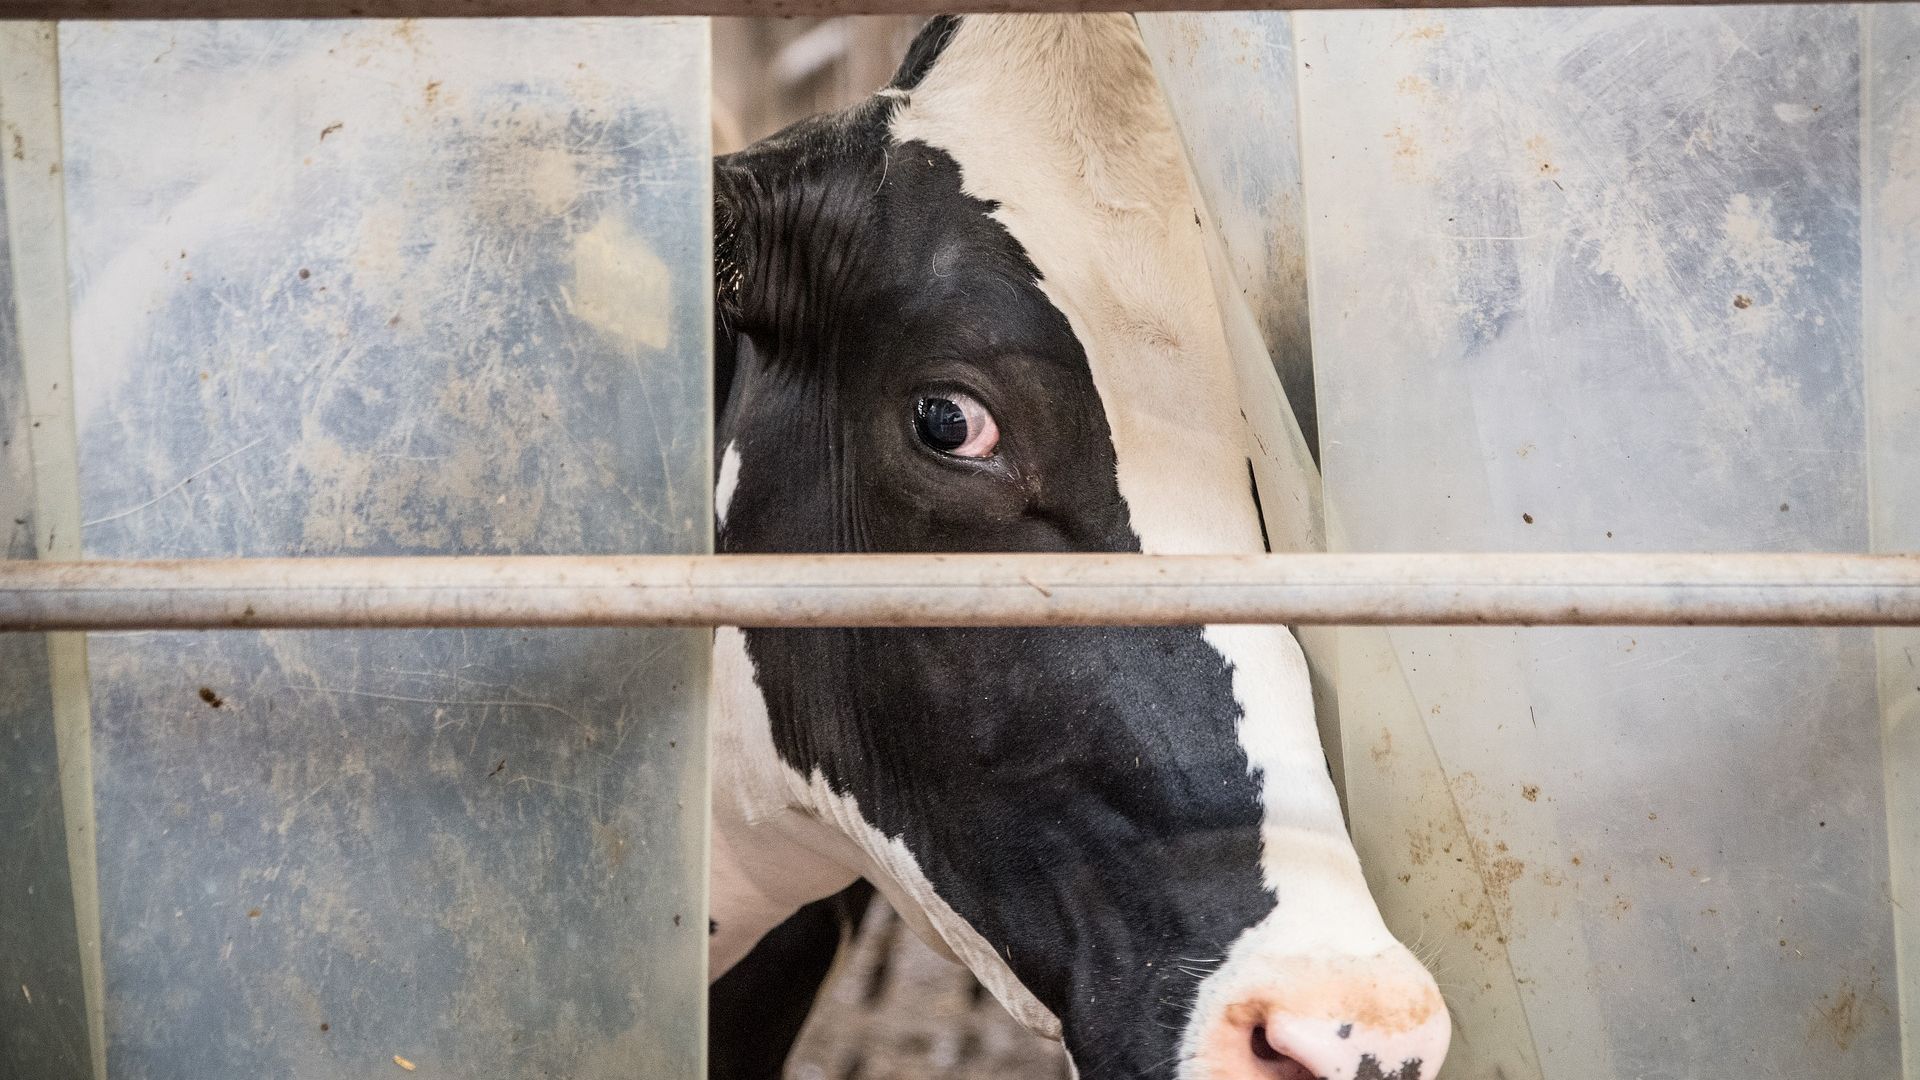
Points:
x=1906, y=924
x=37, y=240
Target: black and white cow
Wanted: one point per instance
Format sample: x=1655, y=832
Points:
x=973, y=314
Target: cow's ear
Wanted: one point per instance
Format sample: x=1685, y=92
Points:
x=925, y=51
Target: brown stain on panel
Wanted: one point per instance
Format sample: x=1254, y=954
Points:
x=1383, y=749
x=1839, y=1017
x=1419, y=847
x=612, y=842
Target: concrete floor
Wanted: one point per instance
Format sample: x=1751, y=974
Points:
x=893, y=1010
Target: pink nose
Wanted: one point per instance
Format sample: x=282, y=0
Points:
x=1369, y=1040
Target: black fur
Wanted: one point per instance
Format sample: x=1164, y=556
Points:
x=756, y=1010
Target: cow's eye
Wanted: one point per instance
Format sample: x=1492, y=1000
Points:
x=956, y=424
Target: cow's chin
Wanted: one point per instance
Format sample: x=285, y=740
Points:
x=1277, y=1015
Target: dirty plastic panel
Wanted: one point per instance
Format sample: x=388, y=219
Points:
x=1590, y=281
x=394, y=288
x=1593, y=280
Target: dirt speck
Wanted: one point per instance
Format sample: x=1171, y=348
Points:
x=212, y=699
x=1406, y=145
x=305, y=273
x=330, y=129
x=325, y=1027
x=432, y=93
x=404, y=1063
x=1419, y=848
x=1530, y=792
x=1528, y=518
x=1742, y=301
x=612, y=843
x=499, y=765
x=253, y=913
x=19, y=147
x=1501, y=874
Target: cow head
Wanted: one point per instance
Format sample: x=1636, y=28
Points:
x=973, y=314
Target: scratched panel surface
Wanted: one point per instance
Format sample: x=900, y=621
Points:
x=1591, y=280
x=395, y=288
x=43, y=1031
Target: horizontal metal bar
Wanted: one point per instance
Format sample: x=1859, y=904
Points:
x=404, y=9
x=965, y=590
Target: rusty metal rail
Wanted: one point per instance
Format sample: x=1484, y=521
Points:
x=332, y=9
x=964, y=590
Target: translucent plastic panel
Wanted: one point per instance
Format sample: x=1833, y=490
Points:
x=1609, y=280
x=394, y=288
x=1591, y=281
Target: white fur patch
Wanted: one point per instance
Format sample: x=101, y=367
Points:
x=729, y=481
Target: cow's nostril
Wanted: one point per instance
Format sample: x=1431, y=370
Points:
x=1263, y=1049
x=1280, y=1066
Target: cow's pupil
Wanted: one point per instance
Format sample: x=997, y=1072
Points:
x=942, y=423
